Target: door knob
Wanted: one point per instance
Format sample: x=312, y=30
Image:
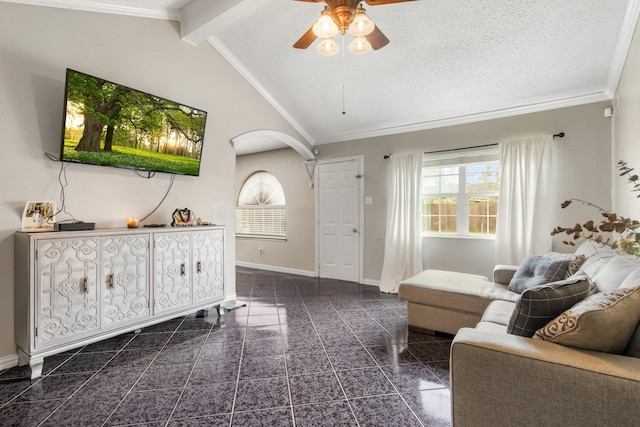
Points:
x=355, y=230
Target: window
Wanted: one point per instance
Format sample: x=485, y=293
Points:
x=460, y=192
x=261, y=210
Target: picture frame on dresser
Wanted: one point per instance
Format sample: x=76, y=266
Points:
x=38, y=216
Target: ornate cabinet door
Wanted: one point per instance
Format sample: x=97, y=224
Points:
x=208, y=277
x=125, y=278
x=172, y=271
x=66, y=288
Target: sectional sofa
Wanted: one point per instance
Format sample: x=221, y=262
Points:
x=498, y=378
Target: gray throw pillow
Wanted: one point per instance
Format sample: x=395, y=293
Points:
x=538, y=270
x=539, y=305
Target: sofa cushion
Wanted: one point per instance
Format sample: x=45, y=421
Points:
x=499, y=312
x=605, y=322
x=596, y=257
x=538, y=270
x=539, y=305
x=632, y=280
x=613, y=274
x=463, y=292
x=633, y=348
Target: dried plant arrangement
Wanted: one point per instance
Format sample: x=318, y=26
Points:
x=610, y=224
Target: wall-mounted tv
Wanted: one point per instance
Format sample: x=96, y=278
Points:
x=109, y=124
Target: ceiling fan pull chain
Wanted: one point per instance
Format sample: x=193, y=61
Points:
x=343, y=77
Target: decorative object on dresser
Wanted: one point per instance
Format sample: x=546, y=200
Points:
x=76, y=288
x=38, y=216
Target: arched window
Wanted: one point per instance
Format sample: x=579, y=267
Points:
x=261, y=209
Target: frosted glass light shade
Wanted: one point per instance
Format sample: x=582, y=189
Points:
x=361, y=25
x=325, y=27
x=359, y=45
x=328, y=47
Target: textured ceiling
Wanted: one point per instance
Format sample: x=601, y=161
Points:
x=448, y=62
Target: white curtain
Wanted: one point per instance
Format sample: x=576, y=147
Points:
x=527, y=202
x=403, y=241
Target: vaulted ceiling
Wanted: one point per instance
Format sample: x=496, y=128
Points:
x=448, y=61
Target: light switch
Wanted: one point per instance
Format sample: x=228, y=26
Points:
x=368, y=200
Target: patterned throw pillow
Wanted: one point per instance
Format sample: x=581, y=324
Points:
x=575, y=261
x=603, y=322
x=539, y=305
x=538, y=270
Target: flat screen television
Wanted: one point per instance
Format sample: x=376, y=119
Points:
x=109, y=124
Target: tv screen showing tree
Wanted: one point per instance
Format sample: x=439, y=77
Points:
x=109, y=124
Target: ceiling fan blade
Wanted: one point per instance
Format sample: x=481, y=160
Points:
x=379, y=2
x=377, y=39
x=306, y=39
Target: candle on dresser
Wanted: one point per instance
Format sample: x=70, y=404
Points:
x=133, y=223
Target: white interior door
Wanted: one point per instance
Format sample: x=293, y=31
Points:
x=339, y=220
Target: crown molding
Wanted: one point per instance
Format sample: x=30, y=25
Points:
x=622, y=47
x=253, y=81
x=470, y=118
x=168, y=14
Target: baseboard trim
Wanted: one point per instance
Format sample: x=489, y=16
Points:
x=276, y=269
x=371, y=282
x=8, y=361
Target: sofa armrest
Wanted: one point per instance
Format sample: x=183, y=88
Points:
x=502, y=379
x=503, y=273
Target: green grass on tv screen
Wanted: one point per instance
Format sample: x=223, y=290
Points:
x=133, y=158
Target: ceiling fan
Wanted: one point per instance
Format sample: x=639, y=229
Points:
x=342, y=16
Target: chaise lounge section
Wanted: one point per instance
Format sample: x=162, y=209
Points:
x=445, y=301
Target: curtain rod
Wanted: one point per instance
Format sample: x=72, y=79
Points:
x=387, y=156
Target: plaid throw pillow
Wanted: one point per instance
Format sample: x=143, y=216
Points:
x=539, y=305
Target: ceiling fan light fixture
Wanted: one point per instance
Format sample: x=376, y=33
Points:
x=328, y=47
x=361, y=24
x=325, y=27
x=359, y=45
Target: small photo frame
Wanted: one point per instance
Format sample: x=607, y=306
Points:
x=38, y=216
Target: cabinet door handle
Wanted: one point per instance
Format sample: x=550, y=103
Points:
x=182, y=269
x=85, y=285
x=198, y=266
x=111, y=280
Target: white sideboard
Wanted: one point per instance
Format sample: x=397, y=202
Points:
x=79, y=287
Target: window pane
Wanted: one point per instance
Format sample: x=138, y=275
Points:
x=440, y=180
x=439, y=215
x=261, y=207
x=441, y=193
x=261, y=221
x=450, y=183
x=483, y=178
x=431, y=185
x=482, y=215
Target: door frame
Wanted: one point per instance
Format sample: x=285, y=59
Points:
x=360, y=160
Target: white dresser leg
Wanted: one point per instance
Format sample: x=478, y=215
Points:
x=36, y=367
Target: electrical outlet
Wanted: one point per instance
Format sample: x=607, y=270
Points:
x=261, y=251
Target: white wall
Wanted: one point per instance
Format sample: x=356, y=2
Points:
x=626, y=130
x=584, y=156
x=296, y=254
x=585, y=169
x=37, y=44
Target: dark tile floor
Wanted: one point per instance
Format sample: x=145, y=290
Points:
x=303, y=352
